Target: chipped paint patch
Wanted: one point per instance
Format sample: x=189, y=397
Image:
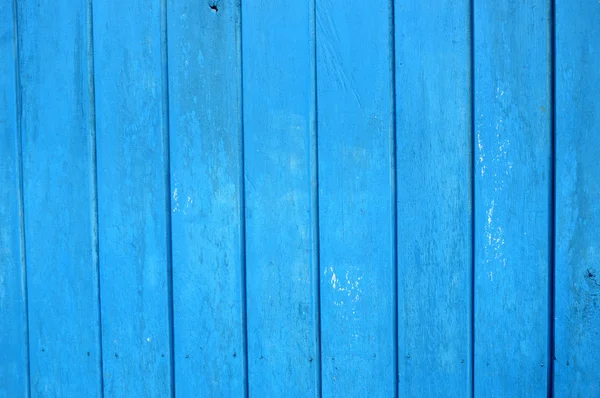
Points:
x=177, y=207
x=348, y=286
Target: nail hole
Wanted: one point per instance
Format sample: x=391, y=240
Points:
x=88, y=354
x=187, y=356
x=116, y=355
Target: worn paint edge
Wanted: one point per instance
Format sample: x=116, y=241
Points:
x=21, y=200
x=242, y=193
x=314, y=200
x=94, y=184
x=167, y=190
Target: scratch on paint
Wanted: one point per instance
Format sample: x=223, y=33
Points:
x=332, y=60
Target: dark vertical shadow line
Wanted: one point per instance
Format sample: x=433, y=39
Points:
x=23, y=246
x=472, y=176
x=393, y=191
x=167, y=177
x=94, y=182
x=242, y=197
x=314, y=199
x=552, y=237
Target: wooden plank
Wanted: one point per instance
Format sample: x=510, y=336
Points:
x=206, y=162
x=577, y=272
x=59, y=197
x=133, y=196
x=433, y=111
x=14, y=360
x=513, y=174
x=356, y=197
x=278, y=105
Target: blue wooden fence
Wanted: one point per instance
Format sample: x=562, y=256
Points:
x=271, y=199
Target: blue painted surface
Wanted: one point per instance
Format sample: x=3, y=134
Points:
x=14, y=367
x=433, y=136
x=356, y=197
x=312, y=199
x=278, y=99
x=133, y=197
x=206, y=198
x=513, y=151
x=59, y=199
x=577, y=279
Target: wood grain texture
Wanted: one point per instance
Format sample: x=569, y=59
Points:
x=133, y=197
x=513, y=138
x=206, y=167
x=577, y=276
x=278, y=104
x=356, y=197
x=322, y=198
x=433, y=112
x=59, y=198
x=14, y=359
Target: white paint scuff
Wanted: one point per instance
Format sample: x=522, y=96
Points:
x=347, y=286
x=176, y=206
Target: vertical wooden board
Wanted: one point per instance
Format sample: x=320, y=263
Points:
x=278, y=103
x=433, y=113
x=577, y=272
x=356, y=197
x=133, y=197
x=205, y=119
x=513, y=142
x=14, y=368
x=59, y=198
